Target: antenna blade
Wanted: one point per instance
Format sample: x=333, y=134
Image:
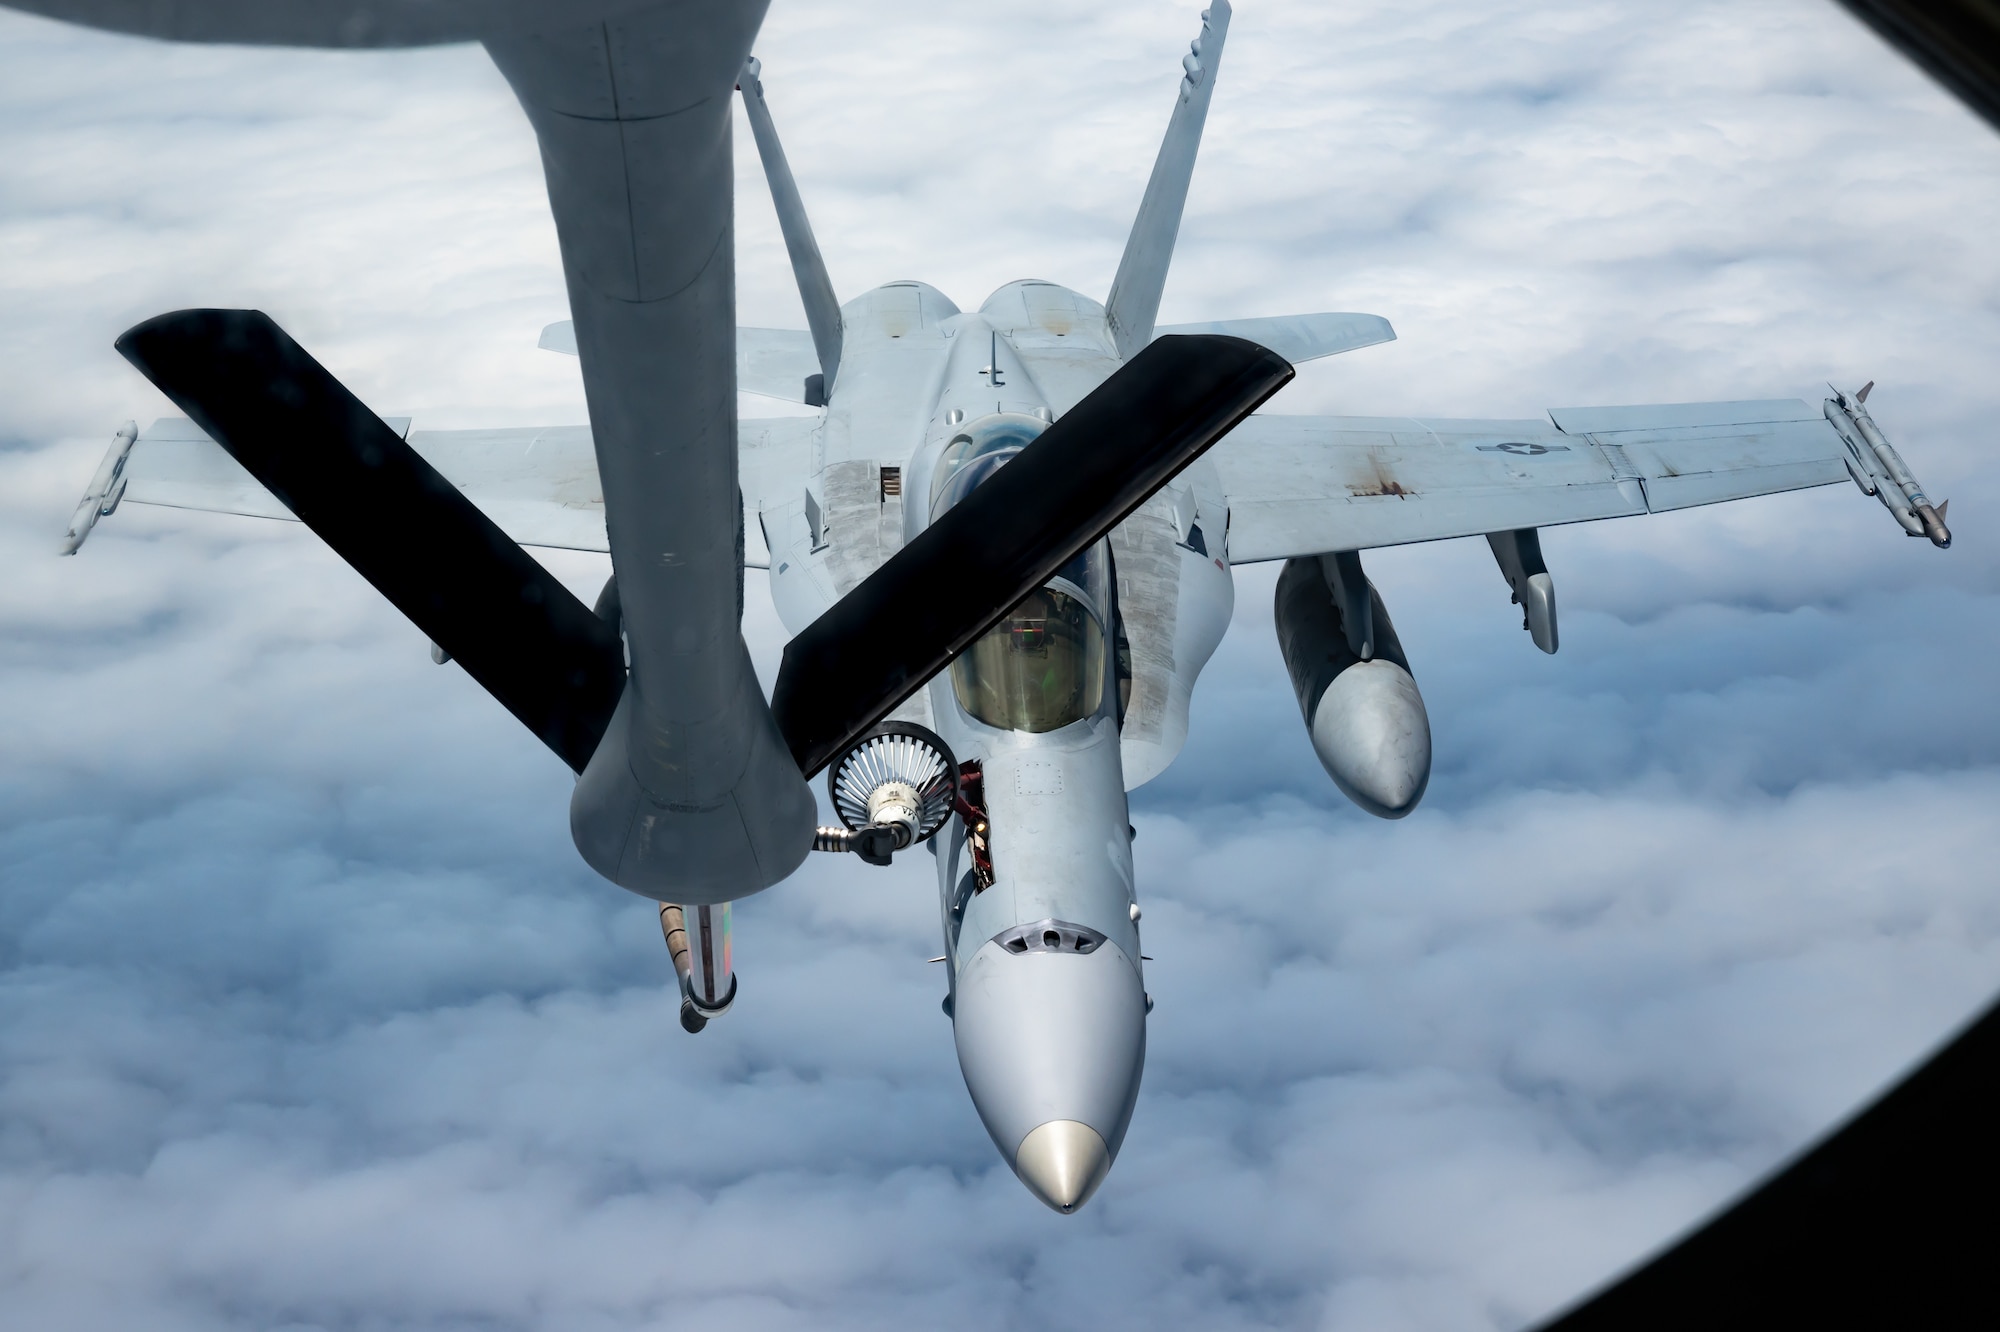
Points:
x=815, y=287
x=961, y=575
x=1134, y=302
x=479, y=597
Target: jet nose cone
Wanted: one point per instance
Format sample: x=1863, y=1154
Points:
x=1053, y=1047
x=1374, y=738
x=1063, y=1162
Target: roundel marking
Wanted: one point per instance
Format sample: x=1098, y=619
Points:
x=1522, y=448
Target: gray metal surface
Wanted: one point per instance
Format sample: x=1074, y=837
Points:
x=1519, y=554
x=1300, y=485
x=1043, y=1038
x=692, y=797
x=1363, y=713
x=770, y=362
x=337, y=23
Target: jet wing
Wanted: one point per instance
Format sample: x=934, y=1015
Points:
x=1303, y=485
x=539, y=483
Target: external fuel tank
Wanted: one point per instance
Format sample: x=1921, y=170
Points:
x=1354, y=686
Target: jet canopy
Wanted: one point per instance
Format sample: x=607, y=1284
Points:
x=1043, y=666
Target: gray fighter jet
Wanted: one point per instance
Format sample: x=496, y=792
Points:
x=1003, y=545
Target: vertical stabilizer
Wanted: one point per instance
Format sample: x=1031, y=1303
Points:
x=1135, y=293
x=815, y=288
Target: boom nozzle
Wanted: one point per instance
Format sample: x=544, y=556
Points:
x=698, y=939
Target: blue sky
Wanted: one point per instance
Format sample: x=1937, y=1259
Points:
x=310, y=1017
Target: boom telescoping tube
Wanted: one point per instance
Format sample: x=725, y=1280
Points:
x=698, y=938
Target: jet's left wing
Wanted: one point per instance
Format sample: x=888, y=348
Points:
x=538, y=484
x=1305, y=485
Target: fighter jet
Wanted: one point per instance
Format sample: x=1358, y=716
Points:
x=1003, y=545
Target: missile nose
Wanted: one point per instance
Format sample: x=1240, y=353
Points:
x=1062, y=1162
x=1374, y=738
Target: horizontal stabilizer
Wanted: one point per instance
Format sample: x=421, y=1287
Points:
x=1299, y=338
x=347, y=475
x=770, y=362
x=956, y=579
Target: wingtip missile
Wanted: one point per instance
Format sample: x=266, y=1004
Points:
x=1934, y=528
x=1880, y=471
x=107, y=487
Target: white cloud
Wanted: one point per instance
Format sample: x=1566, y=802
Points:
x=310, y=1016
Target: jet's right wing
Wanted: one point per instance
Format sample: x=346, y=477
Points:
x=1304, y=485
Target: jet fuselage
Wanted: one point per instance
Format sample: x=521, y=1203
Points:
x=1080, y=694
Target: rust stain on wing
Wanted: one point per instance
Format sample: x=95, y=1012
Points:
x=1379, y=480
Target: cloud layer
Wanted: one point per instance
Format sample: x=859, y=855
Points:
x=311, y=1018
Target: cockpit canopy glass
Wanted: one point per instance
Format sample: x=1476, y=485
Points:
x=1042, y=667
x=976, y=453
